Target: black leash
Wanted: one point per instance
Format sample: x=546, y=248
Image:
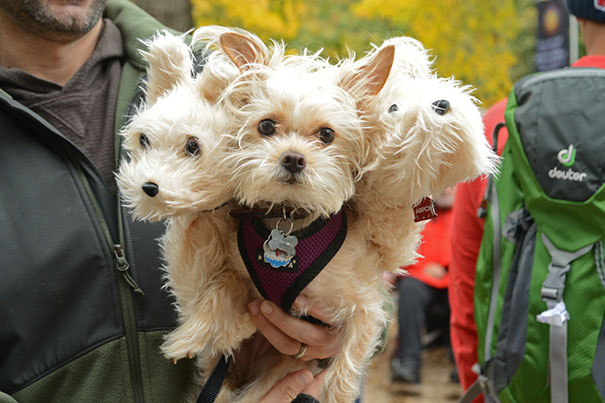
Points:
x=215, y=381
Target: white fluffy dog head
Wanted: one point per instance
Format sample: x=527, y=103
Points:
x=174, y=140
x=298, y=140
x=427, y=132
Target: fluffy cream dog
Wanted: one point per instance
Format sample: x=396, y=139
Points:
x=429, y=131
x=173, y=139
x=174, y=150
x=180, y=160
x=322, y=143
x=425, y=133
x=309, y=137
x=295, y=141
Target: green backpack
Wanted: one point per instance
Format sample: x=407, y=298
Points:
x=540, y=280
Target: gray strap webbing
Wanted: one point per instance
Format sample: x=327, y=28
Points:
x=600, y=262
x=557, y=363
x=495, y=215
x=598, y=367
x=476, y=389
x=556, y=316
x=473, y=392
x=489, y=330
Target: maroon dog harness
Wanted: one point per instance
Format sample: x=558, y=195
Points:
x=317, y=244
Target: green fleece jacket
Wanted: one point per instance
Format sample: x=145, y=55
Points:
x=72, y=329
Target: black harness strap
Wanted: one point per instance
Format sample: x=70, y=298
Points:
x=215, y=380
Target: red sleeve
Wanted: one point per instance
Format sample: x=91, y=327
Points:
x=467, y=231
x=435, y=248
x=466, y=235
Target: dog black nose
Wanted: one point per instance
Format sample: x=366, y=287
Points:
x=151, y=189
x=441, y=107
x=293, y=161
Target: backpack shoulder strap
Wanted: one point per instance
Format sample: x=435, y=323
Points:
x=556, y=316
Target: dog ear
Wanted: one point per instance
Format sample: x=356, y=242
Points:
x=371, y=73
x=216, y=76
x=242, y=50
x=170, y=63
x=411, y=59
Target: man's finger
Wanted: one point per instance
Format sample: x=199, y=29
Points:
x=289, y=387
x=281, y=341
x=314, y=388
x=296, y=328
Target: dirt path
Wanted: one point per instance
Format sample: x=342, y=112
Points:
x=436, y=386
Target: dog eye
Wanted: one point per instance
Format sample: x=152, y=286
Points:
x=326, y=135
x=144, y=140
x=393, y=108
x=192, y=147
x=266, y=127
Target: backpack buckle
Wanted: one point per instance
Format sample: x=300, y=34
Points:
x=554, y=284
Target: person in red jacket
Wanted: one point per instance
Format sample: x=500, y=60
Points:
x=426, y=284
x=466, y=235
x=467, y=227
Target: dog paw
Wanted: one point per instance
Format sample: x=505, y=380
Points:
x=176, y=352
x=178, y=345
x=190, y=356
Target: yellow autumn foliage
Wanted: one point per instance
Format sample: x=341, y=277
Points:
x=279, y=19
x=470, y=39
x=481, y=43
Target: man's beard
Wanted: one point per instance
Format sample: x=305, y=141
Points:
x=45, y=19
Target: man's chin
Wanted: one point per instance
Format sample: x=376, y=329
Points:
x=62, y=19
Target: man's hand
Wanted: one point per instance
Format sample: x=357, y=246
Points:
x=435, y=270
x=288, y=334
x=290, y=386
x=389, y=278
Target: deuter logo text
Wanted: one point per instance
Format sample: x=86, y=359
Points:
x=567, y=157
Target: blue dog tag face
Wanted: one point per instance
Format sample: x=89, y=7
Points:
x=279, y=249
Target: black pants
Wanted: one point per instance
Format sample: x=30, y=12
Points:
x=415, y=301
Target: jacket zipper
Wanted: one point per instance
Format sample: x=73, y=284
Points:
x=128, y=289
x=123, y=266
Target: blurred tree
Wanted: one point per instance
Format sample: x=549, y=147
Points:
x=322, y=24
x=332, y=26
x=481, y=43
x=175, y=14
x=279, y=19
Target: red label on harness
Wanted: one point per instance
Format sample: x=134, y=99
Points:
x=425, y=210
